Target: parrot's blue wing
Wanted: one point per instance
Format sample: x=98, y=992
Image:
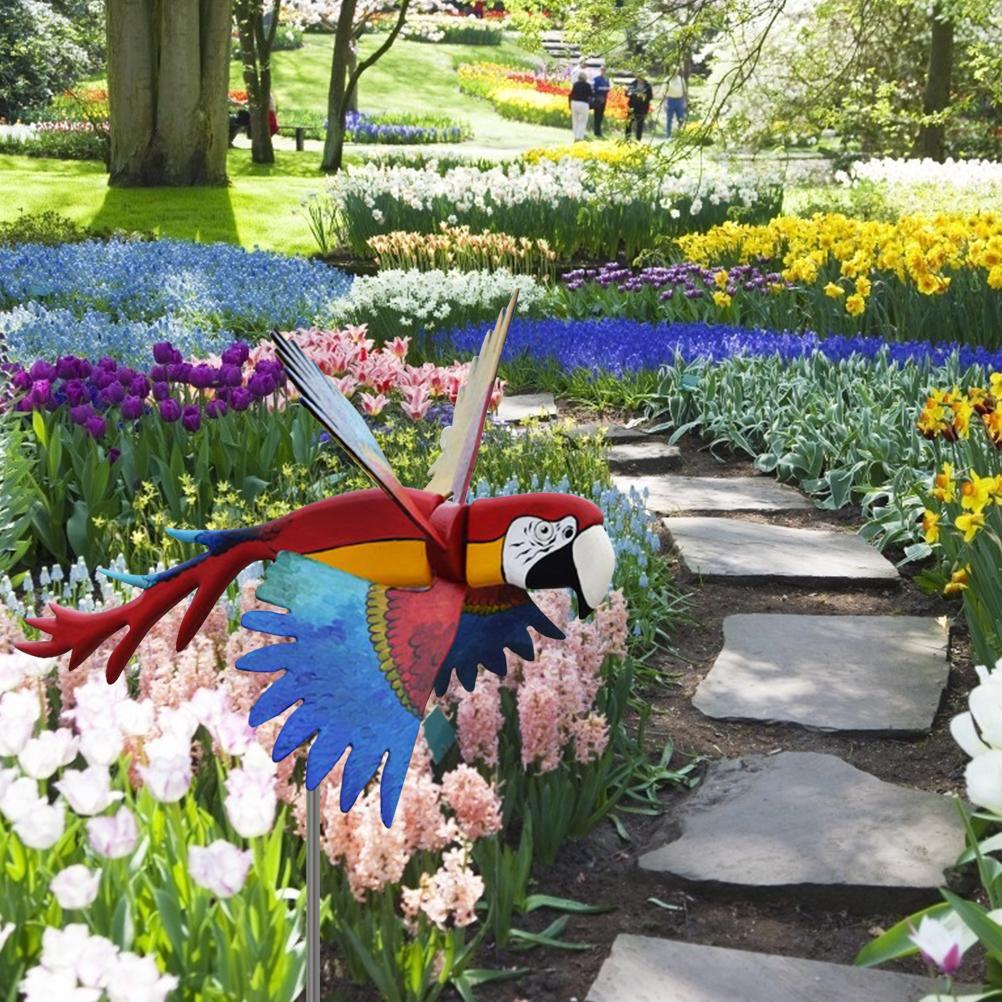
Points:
x=493, y=619
x=362, y=662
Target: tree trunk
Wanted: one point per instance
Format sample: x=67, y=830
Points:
x=256, y=42
x=168, y=74
x=352, y=67
x=345, y=73
x=932, y=135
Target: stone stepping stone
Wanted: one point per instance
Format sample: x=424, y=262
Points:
x=523, y=407
x=616, y=434
x=673, y=493
x=724, y=549
x=805, y=826
x=637, y=457
x=643, y=969
x=831, y=673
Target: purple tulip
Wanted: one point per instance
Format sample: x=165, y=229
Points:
x=158, y=373
x=76, y=392
x=132, y=408
x=96, y=426
x=216, y=408
x=241, y=398
x=230, y=374
x=113, y=455
x=163, y=352
x=41, y=392
x=113, y=394
x=202, y=376
x=126, y=375
x=170, y=409
x=237, y=353
x=161, y=391
x=100, y=378
x=81, y=413
x=42, y=370
x=140, y=387
x=191, y=418
x=21, y=380
x=66, y=367
x=261, y=384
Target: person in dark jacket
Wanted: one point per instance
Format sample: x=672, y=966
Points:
x=639, y=96
x=600, y=88
x=580, y=102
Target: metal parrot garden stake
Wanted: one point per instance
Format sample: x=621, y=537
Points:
x=388, y=591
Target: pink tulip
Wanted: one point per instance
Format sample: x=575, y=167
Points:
x=373, y=405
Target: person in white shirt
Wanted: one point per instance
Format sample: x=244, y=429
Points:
x=677, y=99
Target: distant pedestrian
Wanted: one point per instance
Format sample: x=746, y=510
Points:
x=600, y=88
x=272, y=115
x=638, y=101
x=580, y=102
x=677, y=100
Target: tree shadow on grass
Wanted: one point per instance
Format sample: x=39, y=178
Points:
x=203, y=214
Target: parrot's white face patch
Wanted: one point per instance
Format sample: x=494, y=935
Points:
x=529, y=539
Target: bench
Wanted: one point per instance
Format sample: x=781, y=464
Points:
x=300, y=133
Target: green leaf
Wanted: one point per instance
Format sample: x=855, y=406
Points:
x=170, y=917
x=76, y=528
x=976, y=919
x=534, y=901
x=122, y=929
x=38, y=426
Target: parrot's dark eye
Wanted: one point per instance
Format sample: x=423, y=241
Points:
x=568, y=532
x=543, y=532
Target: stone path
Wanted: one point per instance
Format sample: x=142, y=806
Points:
x=804, y=828
x=641, y=969
x=849, y=673
x=524, y=407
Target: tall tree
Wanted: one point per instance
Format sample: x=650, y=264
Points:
x=168, y=77
x=256, y=30
x=936, y=98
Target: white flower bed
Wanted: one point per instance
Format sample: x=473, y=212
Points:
x=984, y=176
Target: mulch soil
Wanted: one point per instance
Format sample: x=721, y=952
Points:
x=602, y=868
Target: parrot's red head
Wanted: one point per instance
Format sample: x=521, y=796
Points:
x=540, y=541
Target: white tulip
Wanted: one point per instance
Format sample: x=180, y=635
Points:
x=984, y=780
x=101, y=745
x=19, y=711
x=115, y=836
x=19, y=798
x=136, y=979
x=75, y=886
x=251, y=801
x=220, y=868
x=43, y=826
x=134, y=719
x=88, y=791
x=51, y=750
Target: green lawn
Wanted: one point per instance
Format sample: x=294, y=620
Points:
x=414, y=77
x=261, y=207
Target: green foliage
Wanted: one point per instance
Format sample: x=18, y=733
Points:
x=69, y=145
x=46, y=46
x=47, y=228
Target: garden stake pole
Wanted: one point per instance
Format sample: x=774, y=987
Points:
x=313, y=895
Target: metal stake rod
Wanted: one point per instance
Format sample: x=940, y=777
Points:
x=313, y=895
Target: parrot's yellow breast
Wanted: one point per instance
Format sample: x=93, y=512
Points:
x=396, y=563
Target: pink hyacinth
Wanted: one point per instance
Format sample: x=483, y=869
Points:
x=474, y=801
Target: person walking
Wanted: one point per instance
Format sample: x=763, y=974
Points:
x=638, y=101
x=600, y=88
x=677, y=98
x=580, y=102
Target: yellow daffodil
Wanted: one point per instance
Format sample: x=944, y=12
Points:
x=855, y=305
x=834, y=291
x=930, y=526
x=976, y=493
x=722, y=299
x=863, y=286
x=958, y=581
x=944, y=487
x=970, y=524
x=720, y=278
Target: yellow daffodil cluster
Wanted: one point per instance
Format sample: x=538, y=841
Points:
x=974, y=493
x=947, y=414
x=920, y=251
x=619, y=153
x=458, y=247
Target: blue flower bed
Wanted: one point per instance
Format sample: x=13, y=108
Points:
x=119, y=297
x=363, y=128
x=620, y=346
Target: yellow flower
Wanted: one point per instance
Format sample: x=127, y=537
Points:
x=834, y=291
x=995, y=277
x=969, y=524
x=855, y=305
x=721, y=278
x=927, y=284
x=863, y=286
x=958, y=581
x=944, y=487
x=722, y=299
x=930, y=526
x=976, y=492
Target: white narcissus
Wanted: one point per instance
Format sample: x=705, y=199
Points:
x=220, y=867
x=75, y=886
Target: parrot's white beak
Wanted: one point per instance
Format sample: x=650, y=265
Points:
x=594, y=562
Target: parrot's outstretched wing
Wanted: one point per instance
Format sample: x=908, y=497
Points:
x=334, y=411
x=492, y=619
x=362, y=664
x=452, y=472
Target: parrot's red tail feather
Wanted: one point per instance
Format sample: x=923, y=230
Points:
x=82, y=633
